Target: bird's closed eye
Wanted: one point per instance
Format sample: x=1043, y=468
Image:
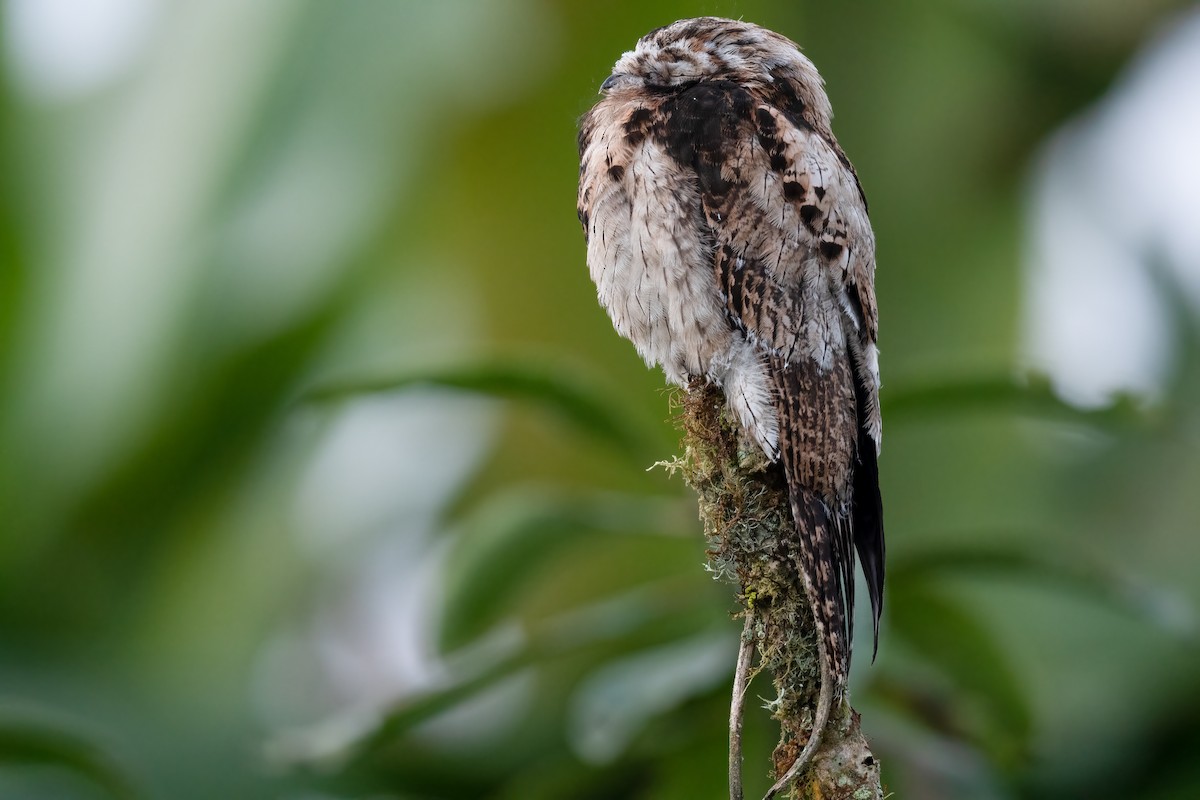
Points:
x=672, y=88
x=619, y=79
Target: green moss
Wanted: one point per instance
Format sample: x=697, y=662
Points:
x=750, y=534
x=751, y=544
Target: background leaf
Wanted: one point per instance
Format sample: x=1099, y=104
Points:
x=26, y=743
x=557, y=389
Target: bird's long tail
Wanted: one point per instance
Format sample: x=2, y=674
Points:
x=818, y=536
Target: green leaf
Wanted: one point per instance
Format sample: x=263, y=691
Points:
x=937, y=627
x=513, y=537
x=1033, y=397
x=632, y=622
x=574, y=397
x=23, y=742
x=1106, y=584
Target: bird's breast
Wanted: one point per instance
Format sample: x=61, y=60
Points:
x=651, y=259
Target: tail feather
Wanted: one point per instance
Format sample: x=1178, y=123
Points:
x=819, y=536
x=818, y=429
x=867, y=514
x=867, y=505
x=827, y=558
x=822, y=427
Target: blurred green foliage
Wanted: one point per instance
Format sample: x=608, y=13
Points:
x=285, y=218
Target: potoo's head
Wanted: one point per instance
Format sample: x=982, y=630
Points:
x=680, y=55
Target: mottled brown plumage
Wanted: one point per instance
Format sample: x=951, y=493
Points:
x=728, y=238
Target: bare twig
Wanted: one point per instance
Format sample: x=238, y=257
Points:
x=741, y=682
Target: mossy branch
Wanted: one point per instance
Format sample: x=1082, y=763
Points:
x=751, y=543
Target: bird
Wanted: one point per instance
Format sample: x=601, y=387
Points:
x=729, y=240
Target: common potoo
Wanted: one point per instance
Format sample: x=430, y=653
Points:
x=728, y=238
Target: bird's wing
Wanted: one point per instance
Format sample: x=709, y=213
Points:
x=794, y=259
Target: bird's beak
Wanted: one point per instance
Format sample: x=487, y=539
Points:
x=615, y=80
